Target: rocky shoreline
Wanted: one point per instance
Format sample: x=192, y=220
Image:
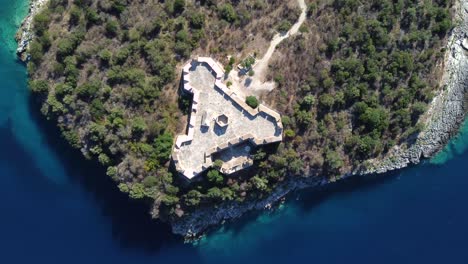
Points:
x=447, y=110
x=446, y=114
x=25, y=33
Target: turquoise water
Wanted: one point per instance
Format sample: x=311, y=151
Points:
x=456, y=147
x=57, y=208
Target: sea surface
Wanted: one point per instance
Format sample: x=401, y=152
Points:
x=57, y=208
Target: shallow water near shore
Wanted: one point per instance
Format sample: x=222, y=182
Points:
x=57, y=208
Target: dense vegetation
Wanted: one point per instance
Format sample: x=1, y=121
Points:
x=367, y=72
x=352, y=85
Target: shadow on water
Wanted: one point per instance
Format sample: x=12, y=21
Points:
x=16, y=157
x=310, y=198
x=131, y=222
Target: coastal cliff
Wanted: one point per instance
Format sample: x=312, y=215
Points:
x=446, y=113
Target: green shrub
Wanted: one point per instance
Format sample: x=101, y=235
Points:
x=39, y=86
x=65, y=46
x=193, y=198
x=105, y=56
x=252, y=101
x=112, y=28
x=179, y=6
x=228, y=13
x=36, y=51
x=284, y=26
x=150, y=181
x=75, y=14
x=41, y=22
x=215, y=177
x=197, y=20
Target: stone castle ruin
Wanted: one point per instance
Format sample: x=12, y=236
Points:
x=221, y=125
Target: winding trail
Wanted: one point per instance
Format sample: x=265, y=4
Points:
x=257, y=83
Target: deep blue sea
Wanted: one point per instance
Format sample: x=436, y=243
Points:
x=57, y=208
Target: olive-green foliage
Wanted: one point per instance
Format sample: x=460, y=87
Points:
x=218, y=194
x=214, y=177
x=259, y=183
x=88, y=89
x=41, y=21
x=227, y=12
x=39, y=86
x=193, y=198
x=150, y=181
x=36, y=51
x=197, y=20
x=138, y=126
x=333, y=160
x=179, y=6
x=75, y=14
x=105, y=56
x=284, y=26
x=252, y=101
x=137, y=191
x=163, y=146
x=112, y=28
x=217, y=164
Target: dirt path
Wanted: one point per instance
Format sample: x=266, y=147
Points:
x=257, y=83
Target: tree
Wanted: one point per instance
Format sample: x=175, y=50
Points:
x=105, y=55
x=138, y=126
x=259, y=183
x=163, y=147
x=288, y=133
x=75, y=14
x=326, y=101
x=92, y=16
x=214, y=193
x=193, y=197
x=179, y=6
x=88, y=89
x=197, y=20
x=308, y=102
x=215, y=177
x=252, y=101
x=217, y=164
x=137, y=191
x=112, y=28
x=150, y=181
x=228, y=13
x=284, y=26
x=65, y=46
x=333, y=160
x=374, y=119
x=36, y=51
x=39, y=86
x=41, y=22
